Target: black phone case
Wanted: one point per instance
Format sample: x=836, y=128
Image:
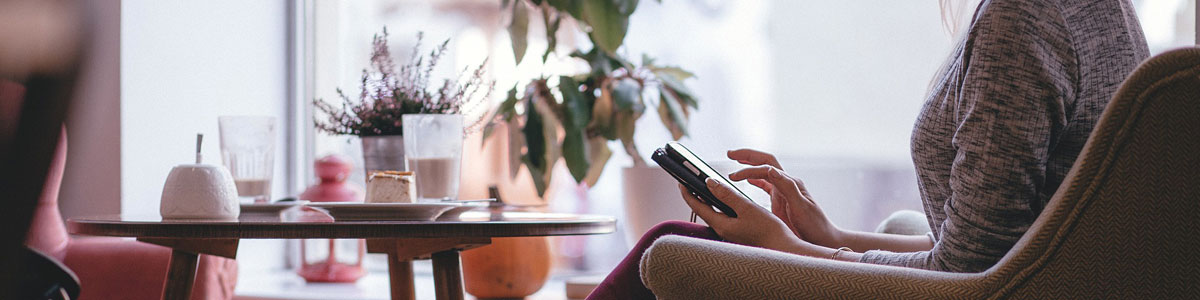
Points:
x=673, y=164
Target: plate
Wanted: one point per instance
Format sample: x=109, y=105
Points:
x=385, y=211
x=270, y=208
x=454, y=213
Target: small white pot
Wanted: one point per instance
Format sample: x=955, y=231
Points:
x=199, y=191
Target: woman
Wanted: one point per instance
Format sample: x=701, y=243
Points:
x=1002, y=125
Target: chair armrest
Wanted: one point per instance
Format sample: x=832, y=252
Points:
x=677, y=267
x=116, y=268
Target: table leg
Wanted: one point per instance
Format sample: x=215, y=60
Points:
x=400, y=275
x=447, y=275
x=180, y=275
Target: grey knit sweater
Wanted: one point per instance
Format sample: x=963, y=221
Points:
x=1007, y=118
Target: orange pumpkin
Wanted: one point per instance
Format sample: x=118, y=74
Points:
x=512, y=267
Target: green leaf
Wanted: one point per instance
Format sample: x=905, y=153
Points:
x=608, y=23
x=601, y=64
x=507, y=108
x=676, y=73
x=598, y=155
x=680, y=91
x=538, y=176
x=578, y=112
x=575, y=154
x=535, y=141
x=627, y=94
x=647, y=61
x=516, y=143
x=543, y=150
x=668, y=110
x=626, y=7
x=518, y=30
x=571, y=7
x=603, y=112
x=626, y=125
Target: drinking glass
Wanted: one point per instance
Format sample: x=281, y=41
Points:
x=248, y=150
x=433, y=152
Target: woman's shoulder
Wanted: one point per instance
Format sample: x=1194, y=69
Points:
x=1009, y=15
x=1028, y=27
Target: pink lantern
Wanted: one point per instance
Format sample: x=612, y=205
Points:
x=332, y=260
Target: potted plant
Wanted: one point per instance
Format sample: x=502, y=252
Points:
x=388, y=92
x=591, y=108
x=573, y=117
x=594, y=107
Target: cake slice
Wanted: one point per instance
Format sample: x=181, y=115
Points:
x=391, y=187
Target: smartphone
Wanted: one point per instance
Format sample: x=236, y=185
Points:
x=691, y=171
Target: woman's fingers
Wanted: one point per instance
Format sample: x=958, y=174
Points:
x=753, y=157
x=706, y=212
x=786, y=186
x=728, y=195
x=762, y=184
x=755, y=172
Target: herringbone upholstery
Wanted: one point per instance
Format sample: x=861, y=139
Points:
x=1125, y=224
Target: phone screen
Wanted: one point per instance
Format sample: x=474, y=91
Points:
x=701, y=165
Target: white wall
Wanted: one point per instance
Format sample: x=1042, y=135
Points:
x=850, y=76
x=183, y=64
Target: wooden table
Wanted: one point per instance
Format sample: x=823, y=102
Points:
x=402, y=241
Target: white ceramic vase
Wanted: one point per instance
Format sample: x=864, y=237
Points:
x=651, y=196
x=199, y=191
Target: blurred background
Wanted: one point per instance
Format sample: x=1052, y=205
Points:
x=831, y=87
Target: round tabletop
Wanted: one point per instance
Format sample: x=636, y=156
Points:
x=257, y=226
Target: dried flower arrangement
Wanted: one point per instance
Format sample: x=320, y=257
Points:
x=388, y=92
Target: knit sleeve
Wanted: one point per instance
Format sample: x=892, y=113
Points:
x=1018, y=73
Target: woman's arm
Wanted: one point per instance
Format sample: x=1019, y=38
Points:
x=755, y=226
x=791, y=203
x=865, y=241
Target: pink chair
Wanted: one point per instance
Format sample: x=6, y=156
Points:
x=110, y=268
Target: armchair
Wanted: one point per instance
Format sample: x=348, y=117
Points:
x=1125, y=224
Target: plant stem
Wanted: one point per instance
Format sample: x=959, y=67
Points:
x=632, y=150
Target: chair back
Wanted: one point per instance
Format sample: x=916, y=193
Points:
x=46, y=278
x=1126, y=222
x=40, y=48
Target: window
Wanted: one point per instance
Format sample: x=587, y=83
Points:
x=832, y=87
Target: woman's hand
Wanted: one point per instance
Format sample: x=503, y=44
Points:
x=790, y=201
x=754, y=226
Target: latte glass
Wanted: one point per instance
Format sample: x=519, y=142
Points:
x=248, y=150
x=433, y=152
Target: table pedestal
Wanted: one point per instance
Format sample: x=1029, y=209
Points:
x=447, y=275
x=400, y=278
x=447, y=271
x=180, y=275
x=185, y=254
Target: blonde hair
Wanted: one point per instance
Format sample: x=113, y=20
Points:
x=955, y=14
x=955, y=17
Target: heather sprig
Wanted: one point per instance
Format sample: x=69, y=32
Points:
x=387, y=93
